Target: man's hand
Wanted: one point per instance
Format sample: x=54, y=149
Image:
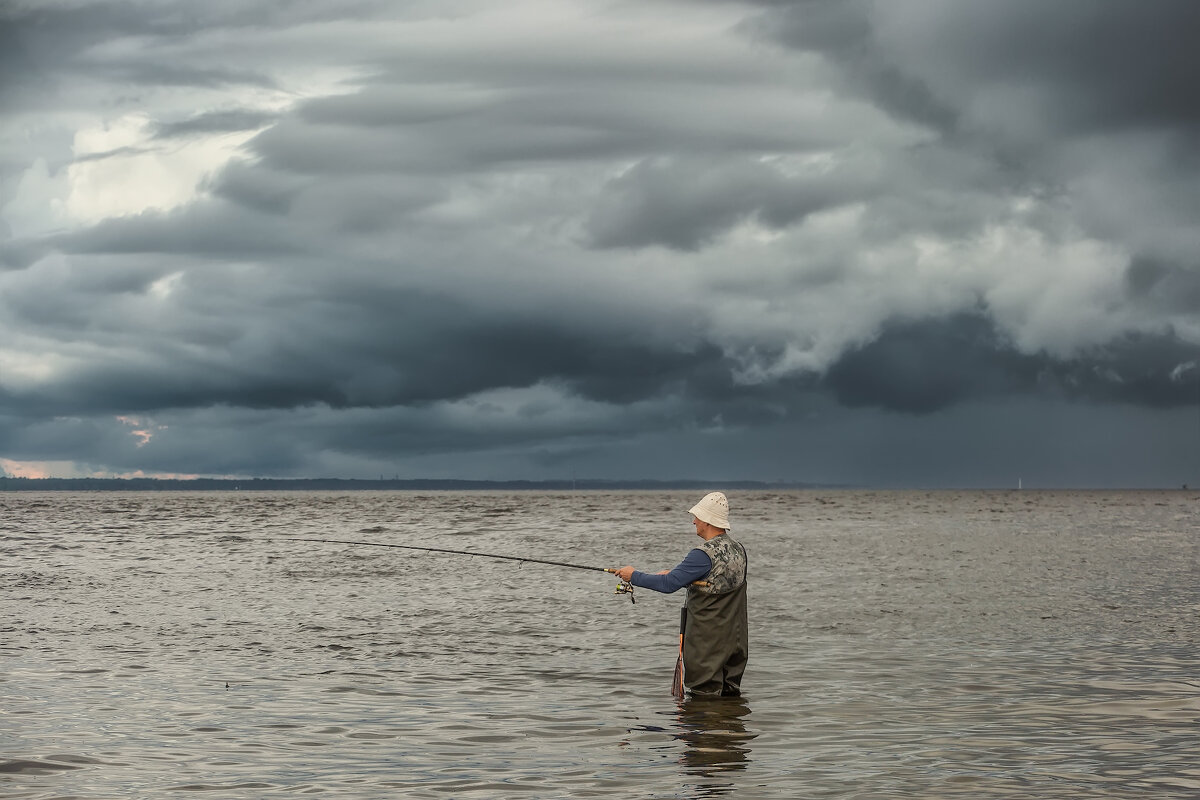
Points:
x=624, y=573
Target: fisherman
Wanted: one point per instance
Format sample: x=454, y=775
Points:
x=715, y=646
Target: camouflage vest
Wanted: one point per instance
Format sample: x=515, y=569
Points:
x=728, y=565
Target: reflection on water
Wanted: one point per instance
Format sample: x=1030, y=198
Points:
x=903, y=645
x=716, y=741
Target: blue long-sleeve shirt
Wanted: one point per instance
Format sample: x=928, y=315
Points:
x=695, y=566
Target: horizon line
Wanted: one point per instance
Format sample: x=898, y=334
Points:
x=141, y=483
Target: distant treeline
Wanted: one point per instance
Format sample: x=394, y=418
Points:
x=339, y=484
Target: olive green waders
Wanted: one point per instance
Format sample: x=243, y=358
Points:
x=715, y=646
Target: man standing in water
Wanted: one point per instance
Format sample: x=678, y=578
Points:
x=715, y=646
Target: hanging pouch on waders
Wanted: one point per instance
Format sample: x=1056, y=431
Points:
x=677, y=684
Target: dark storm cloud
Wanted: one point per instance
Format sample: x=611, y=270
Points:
x=1090, y=65
x=209, y=230
x=258, y=189
x=1082, y=101
x=845, y=33
x=215, y=122
x=35, y=42
x=435, y=232
x=1100, y=66
x=684, y=204
x=171, y=75
x=446, y=128
x=1086, y=106
x=18, y=254
x=398, y=348
x=1137, y=369
x=1171, y=285
x=925, y=366
x=43, y=42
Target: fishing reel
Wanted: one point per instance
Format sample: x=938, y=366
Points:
x=625, y=587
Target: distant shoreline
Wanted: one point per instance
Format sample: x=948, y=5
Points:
x=350, y=484
x=8, y=484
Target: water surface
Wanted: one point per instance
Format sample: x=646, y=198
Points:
x=903, y=644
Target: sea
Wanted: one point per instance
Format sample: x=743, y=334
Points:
x=903, y=644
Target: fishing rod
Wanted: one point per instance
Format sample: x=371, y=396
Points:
x=623, y=587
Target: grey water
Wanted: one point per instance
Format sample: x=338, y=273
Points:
x=903, y=644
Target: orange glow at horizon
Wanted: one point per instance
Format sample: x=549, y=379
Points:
x=69, y=469
x=25, y=469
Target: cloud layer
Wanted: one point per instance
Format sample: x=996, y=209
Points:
x=458, y=239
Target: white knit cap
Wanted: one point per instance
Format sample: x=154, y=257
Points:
x=713, y=508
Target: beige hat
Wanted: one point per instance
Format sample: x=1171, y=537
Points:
x=713, y=508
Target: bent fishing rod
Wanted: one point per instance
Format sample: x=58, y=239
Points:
x=623, y=587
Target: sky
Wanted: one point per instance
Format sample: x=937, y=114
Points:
x=903, y=243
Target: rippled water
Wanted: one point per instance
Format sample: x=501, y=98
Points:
x=904, y=644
